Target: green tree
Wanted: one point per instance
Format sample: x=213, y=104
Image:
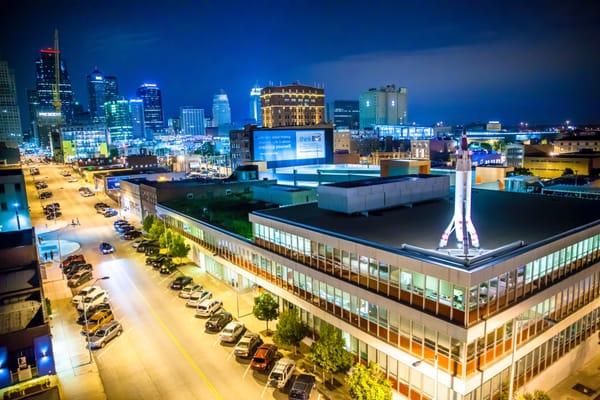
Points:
x=368, y=383
x=148, y=222
x=522, y=171
x=290, y=329
x=536, y=395
x=568, y=171
x=156, y=230
x=166, y=238
x=265, y=308
x=329, y=351
x=177, y=247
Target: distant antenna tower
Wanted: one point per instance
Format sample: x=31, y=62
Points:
x=56, y=91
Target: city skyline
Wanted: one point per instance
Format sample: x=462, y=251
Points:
x=461, y=63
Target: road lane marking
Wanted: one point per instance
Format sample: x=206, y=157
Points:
x=177, y=344
x=231, y=354
x=246, y=372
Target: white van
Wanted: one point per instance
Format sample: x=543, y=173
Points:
x=281, y=372
x=208, y=307
x=93, y=300
x=87, y=291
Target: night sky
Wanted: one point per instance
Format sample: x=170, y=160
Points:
x=461, y=61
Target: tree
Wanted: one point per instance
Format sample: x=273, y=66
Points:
x=290, y=329
x=368, y=383
x=522, y=171
x=156, y=230
x=536, y=395
x=329, y=352
x=177, y=247
x=568, y=171
x=148, y=222
x=265, y=308
x=166, y=238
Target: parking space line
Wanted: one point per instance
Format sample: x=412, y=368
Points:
x=264, y=389
x=217, y=341
x=231, y=354
x=246, y=371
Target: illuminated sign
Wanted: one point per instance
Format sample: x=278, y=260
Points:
x=284, y=147
x=49, y=114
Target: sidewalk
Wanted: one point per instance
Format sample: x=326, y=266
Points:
x=588, y=375
x=77, y=378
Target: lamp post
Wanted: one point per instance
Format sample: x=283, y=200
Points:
x=435, y=382
x=16, y=206
x=87, y=330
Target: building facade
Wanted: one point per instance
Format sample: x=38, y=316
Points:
x=10, y=117
x=221, y=112
x=292, y=105
x=576, y=144
x=192, y=121
x=14, y=213
x=84, y=141
x=46, y=81
x=118, y=122
x=346, y=114
x=436, y=328
x=255, y=115
x=111, y=88
x=384, y=106
x=554, y=166
x=153, y=109
x=136, y=108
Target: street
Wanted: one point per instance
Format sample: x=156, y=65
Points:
x=164, y=352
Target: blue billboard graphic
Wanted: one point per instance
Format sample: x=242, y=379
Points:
x=289, y=147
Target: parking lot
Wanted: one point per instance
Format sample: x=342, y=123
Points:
x=164, y=351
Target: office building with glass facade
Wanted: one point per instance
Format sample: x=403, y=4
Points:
x=153, y=108
x=118, y=122
x=221, y=111
x=10, y=117
x=86, y=141
x=192, y=121
x=526, y=310
x=384, y=106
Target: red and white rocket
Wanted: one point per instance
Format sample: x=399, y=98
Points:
x=461, y=224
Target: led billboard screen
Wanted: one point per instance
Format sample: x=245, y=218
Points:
x=290, y=147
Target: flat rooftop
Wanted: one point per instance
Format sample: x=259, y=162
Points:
x=499, y=217
x=379, y=181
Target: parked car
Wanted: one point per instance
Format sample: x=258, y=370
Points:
x=120, y=221
x=51, y=208
x=78, y=298
x=218, y=321
x=73, y=259
x=198, y=297
x=96, y=321
x=106, y=248
x=100, y=205
x=136, y=243
x=91, y=311
x=101, y=210
x=45, y=195
x=303, y=385
x=232, y=332
x=264, y=357
x=282, y=372
x=72, y=180
x=151, y=250
x=247, y=345
x=130, y=235
x=53, y=215
x=105, y=334
x=110, y=213
x=189, y=289
x=145, y=244
x=167, y=268
x=77, y=269
x=80, y=278
x=181, y=281
x=124, y=227
x=93, y=300
x=208, y=307
x=162, y=261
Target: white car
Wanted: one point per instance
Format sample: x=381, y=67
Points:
x=208, y=308
x=198, y=297
x=189, y=289
x=231, y=332
x=72, y=180
x=281, y=372
x=85, y=292
x=93, y=300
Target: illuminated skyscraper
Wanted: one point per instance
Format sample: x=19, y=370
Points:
x=112, y=88
x=96, y=86
x=153, y=109
x=192, y=121
x=118, y=121
x=345, y=114
x=45, y=82
x=136, y=108
x=255, y=107
x=10, y=118
x=221, y=110
x=385, y=106
x=292, y=105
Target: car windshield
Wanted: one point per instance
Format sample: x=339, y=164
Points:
x=100, y=332
x=259, y=359
x=228, y=330
x=276, y=376
x=243, y=344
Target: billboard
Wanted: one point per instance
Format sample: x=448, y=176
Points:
x=281, y=148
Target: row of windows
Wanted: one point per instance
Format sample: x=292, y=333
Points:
x=17, y=186
x=539, y=359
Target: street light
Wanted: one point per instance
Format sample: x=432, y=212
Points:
x=16, y=206
x=87, y=330
x=436, y=366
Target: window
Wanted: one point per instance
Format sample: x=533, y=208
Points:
x=2, y=188
x=3, y=205
x=17, y=187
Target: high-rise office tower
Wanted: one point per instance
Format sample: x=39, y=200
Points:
x=136, y=108
x=96, y=86
x=111, y=90
x=221, y=110
x=346, y=114
x=292, y=105
x=153, y=110
x=384, y=106
x=10, y=118
x=255, y=107
x=118, y=121
x=192, y=121
x=46, y=81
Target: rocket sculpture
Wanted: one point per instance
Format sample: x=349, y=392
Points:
x=461, y=222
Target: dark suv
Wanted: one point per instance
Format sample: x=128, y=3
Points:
x=303, y=385
x=179, y=282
